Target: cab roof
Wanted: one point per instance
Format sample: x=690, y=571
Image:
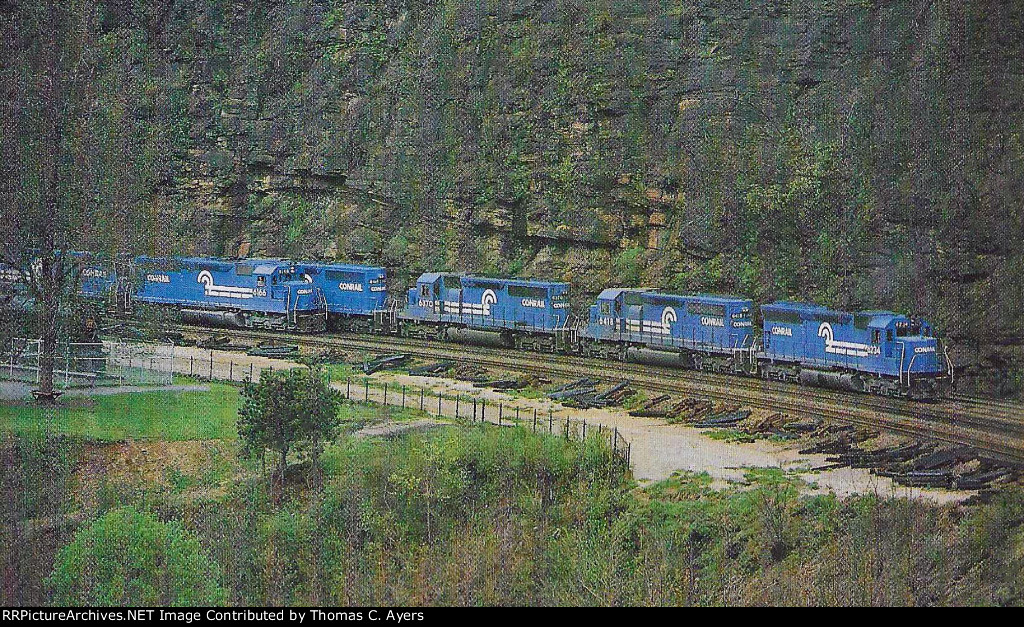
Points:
x=431, y=277
x=715, y=299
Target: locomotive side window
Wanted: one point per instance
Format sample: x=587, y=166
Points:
x=606, y=309
x=696, y=308
x=425, y=291
x=888, y=335
x=790, y=317
x=261, y=281
x=876, y=336
x=527, y=291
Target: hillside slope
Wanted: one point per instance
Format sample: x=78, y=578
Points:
x=860, y=153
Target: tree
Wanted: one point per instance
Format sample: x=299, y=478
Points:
x=127, y=557
x=66, y=184
x=286, y=410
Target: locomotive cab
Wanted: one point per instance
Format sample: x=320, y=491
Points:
x=876, y=351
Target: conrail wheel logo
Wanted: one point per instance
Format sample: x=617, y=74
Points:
x=664, y=327
x=668, y=318
x=487, y=299
x=852, y=349
x=224, y=291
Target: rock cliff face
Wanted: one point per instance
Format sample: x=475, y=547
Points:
x=859, y=153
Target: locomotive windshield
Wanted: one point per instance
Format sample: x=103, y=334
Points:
x=908, y=327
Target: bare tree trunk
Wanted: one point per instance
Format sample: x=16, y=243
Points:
x=47, y=346
x=50, y=278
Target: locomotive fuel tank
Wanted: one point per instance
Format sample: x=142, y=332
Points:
x=835, y=380
x=652, y=357
x=479, y=337
x=229, y=319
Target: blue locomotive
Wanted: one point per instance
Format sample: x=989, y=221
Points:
x=355, y=296
x=702, y=331
x=96, y=277
x=880, y=352
x=246, y=293
x=524, y=313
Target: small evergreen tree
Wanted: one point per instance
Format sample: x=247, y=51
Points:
x=287, y=410
x=127, y=557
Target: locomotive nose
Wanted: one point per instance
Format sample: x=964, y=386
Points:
x=924, y=355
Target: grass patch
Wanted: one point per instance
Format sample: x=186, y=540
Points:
x=730, y=435
x=162, y=415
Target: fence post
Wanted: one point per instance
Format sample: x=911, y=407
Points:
x=250, y=371
x=211, y=365
x=535, y=420
x=366, y=390
x=439, y=403
x=483, y=410
x=501, y=410
x=566, y=427
x=615, y=441
x=551, y=423
x=474, y=410
x=458, y=397
x=421, y=399
x=403, y=397
x=385, y=393
x=191, y=365
x=231, y=370
x=348, y=388
x=583, y=437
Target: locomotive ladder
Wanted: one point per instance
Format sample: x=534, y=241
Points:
x=387, y=317
x=567, y=335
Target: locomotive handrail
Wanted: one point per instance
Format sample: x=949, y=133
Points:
x=949, y=363
x=903, y=356
x=910, y=367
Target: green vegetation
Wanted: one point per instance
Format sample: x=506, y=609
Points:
x=485, y=515
x=729, y=435
x=289, y=409
x=126, y=557
x=159, y=415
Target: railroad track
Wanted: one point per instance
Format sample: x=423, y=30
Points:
x=995, y=428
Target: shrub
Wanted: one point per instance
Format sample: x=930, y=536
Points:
x=127, y=557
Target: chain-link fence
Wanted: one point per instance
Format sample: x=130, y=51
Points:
x=80, y=364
